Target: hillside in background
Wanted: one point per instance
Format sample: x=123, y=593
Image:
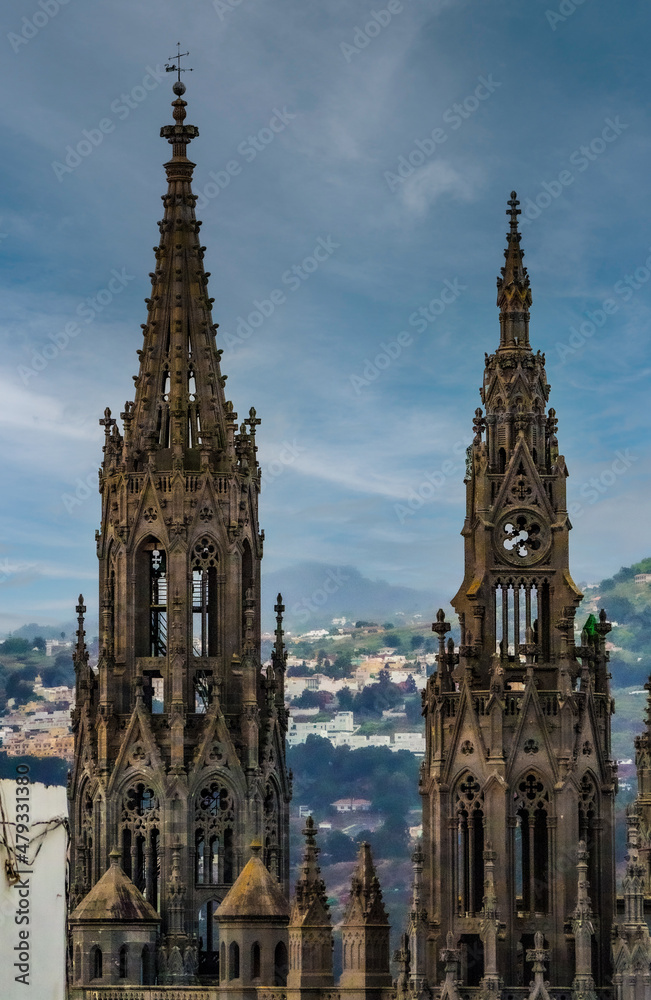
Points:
x=314, y=593
x=628, y=607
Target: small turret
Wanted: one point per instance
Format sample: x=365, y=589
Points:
x=310, y=927
x=253, y=922
x=365, y=931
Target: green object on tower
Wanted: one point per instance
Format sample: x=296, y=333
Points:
x=590, y=627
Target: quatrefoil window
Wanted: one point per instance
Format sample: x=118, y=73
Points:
x=204, y=554
x=469, y=788
x=141, y=800
x=522, y=537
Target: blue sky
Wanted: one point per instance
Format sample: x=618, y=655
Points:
x=344, y=442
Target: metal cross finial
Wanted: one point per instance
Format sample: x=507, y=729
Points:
x=178, y=69
x=513, y=210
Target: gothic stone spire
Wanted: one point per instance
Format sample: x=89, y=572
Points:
x=513, y=291
x=512, y=708
x=169, y=763
x=180, y=417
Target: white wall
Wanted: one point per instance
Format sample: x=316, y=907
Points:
x=44, y=893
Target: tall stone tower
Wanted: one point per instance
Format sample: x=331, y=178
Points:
x=179, y=735
x=517, y=769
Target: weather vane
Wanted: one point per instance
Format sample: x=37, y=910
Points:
x=178, y=69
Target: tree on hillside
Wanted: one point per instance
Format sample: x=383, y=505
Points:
x=336, y=847
x=414, y=709
x=346, y=699
x=307, y=699
x=620, y=609
x=59, y=673
x=417, y=641
x=341, y=667
x=15, y=645
x=392, y=839
x=19, y=687
x=39, y=643
x=393, y=639
x=624, y=574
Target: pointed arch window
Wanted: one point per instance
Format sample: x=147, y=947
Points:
x=516, y=603
x=272, y=854
x=280, y=964
x=96, y=962
x=234, y=960
x=140, y=822
x=86, y=851
x=248, y=581
x=208, y=940
x=157, y=566
x=589, y=832
x=214, y=823
x=531, y=854
x=469, y=847
x=123, y=962
x=204, y=563
x=146, y=967
x=255, y=960
x=163, y=427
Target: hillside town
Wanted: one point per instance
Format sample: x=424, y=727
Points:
x=320, y=686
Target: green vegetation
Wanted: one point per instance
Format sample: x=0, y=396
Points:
x=323, y=774
x=21, y=661
x=49, y=770
x=629, y=605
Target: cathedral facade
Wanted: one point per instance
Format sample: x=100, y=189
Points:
x=179, y=794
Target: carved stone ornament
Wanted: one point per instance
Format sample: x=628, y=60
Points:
x=522, y=537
